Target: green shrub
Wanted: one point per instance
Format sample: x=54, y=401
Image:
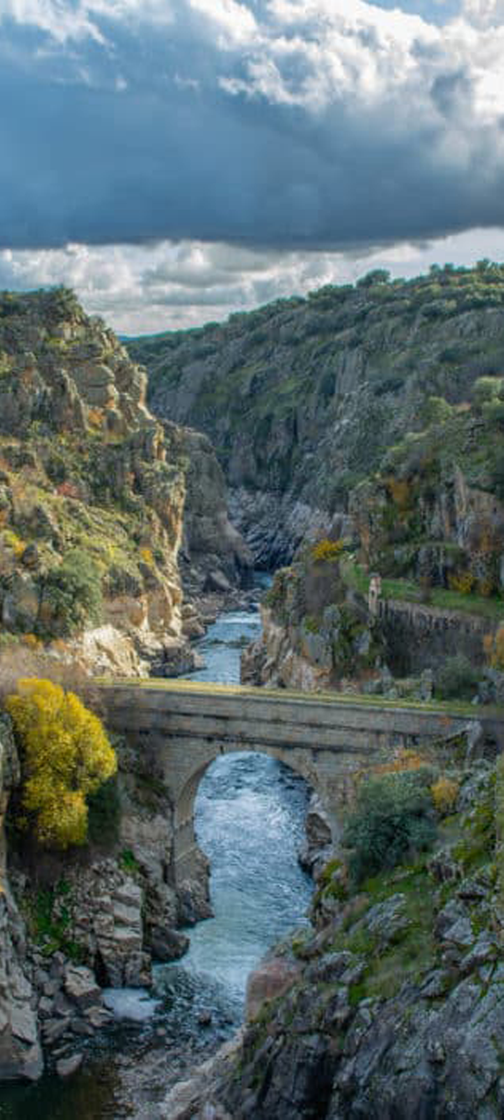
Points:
x=48, y=914
x=74, y=591
x=485, y=389
x=128, y=862
x=493, y=412
x=436, y=411
x=393, y=820
x=457, y=679
x=376, y=276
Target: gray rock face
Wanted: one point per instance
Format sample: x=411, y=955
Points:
x=214, y=554
x=319, y=835
x=271, y=978
x=387, y=919
x=80, y=986
x=107, y=923
x=20, y=1050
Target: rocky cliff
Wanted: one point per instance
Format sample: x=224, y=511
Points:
x=317, y=631
x=426, y=529
x=87, y=472
x=20, y=1050
x=324, y=629
x=301, y=398
x=213, y=552
x=392, y=1005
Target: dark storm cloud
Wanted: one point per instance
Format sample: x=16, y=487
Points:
x=148, y=130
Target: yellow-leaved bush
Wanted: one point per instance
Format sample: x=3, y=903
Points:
x=493, y=645
x=65, y=756
x=325, y=550
x=444, y=795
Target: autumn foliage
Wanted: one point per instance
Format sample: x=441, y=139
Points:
x=494, y=648
x=444, y=795
x=65, y=755
x=326, y=550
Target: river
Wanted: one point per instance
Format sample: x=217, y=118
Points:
x=250, y=822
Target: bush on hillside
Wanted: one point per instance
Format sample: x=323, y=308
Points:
x=74, y=592
x=457, y=679
x=65, y=757
x=493, y=412
x=392, y=821
x=436, y=410
x=326, y=550
x=486, y=389
x=444, y=794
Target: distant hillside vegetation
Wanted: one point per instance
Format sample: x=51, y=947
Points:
x=301, y=398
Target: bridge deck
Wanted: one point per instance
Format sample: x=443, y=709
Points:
x=182, y=686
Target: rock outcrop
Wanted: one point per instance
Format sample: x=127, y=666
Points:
x=86, y=470
x=20, y=1049
x=318, y=633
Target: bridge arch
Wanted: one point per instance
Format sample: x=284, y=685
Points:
x=186, y=851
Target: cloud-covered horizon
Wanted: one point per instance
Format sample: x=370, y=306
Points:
x=281, y=125
x=146, y=289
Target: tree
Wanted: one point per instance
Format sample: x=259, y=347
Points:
x=65, y=757
x=376, y=276
x=392, y=820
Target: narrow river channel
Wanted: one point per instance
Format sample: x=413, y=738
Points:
x=250, y=821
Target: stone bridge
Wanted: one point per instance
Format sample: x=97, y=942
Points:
x=183, y=726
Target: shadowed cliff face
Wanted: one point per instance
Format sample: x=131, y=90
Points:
x=302, y=397
x=20, y=1052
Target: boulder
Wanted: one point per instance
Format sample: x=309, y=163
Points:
x=273, y=977
x=217, y=581
x=387, y=919
x=319, y=834
x=65, y=1067
x=167, y=944
x=81, y=987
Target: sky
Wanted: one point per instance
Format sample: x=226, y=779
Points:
x=176, y=160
